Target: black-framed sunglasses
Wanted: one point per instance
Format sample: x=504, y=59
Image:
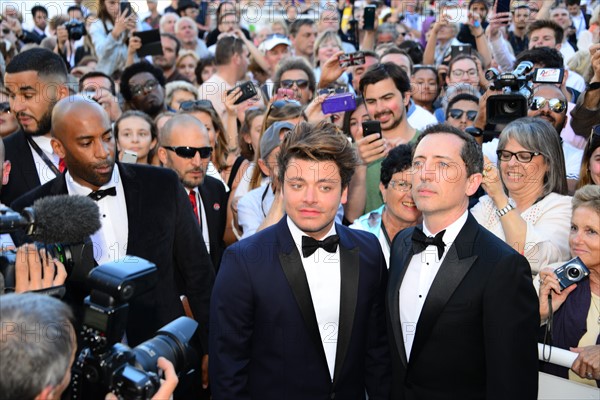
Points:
x=521, y=156
x=284, y=102
x=6, y=31
x=194, y=105
x=4, y=107
x=149, y=86
x=457, y=114
x=190, y=152
x=556, y=105
x=289, y=83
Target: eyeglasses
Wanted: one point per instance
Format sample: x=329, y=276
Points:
x=149, y=86
x=289, y=83
x=400, y=186
x=194, y=105
x=4, y=107
x=556, y=105
x=457, y=114
x=459, y=72
x=521, y=156
x=190, y=152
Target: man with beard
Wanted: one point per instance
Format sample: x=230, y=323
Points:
x=143, y=88
x=185, y=148
x=386, y=90
x=145, y=213
x=166, y=62
x=35, y=81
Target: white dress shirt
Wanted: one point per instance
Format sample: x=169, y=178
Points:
x=201, y=214
x=419, y=276
x=110, y=242
x=45, y=173
x=324, y=280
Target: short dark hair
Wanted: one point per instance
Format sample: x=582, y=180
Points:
x=43, y=61
x=318, y=142
x=299, y=23
x=98, y=74
x=226, y=48
x=173, y=38
x=470, y=153
x=398, y=50
x=459, y=97
x=546, y=57
x=37, y=9
x=398, y=159
x=135, y=69
x=292, y=63
x=559, y=32
x=203, y=63
x=413, y=49
x=384, y=71
x=74, y=8
x=572, y=2
x=484, y=2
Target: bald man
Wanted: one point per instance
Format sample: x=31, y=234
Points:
x=145, y=212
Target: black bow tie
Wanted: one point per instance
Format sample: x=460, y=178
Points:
x=310, y=245
x=420, y=242
x=102, y=193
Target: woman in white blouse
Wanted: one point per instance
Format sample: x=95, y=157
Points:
x=526, y=203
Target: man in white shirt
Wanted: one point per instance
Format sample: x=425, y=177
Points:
x=462, y=311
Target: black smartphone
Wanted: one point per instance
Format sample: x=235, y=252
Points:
x=369, y=18
x=248, y=91
x=502, y=6
x=461, y=49
x=125, y=5
x=371, y=127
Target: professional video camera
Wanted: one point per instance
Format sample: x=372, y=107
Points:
x=61, y=224
x=76, y=29
x=105, y=364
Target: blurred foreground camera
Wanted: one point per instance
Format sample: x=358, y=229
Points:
x=571, y=272
x=105, y=364
x=76, y=29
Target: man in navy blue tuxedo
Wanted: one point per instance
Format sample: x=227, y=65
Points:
x=297, y=310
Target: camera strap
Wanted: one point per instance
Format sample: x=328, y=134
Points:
x=43, y=156
x=548, y=332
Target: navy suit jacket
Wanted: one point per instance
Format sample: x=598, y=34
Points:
x=23, y=173
x=162, y=230
x=264, y=337
x=476, y=335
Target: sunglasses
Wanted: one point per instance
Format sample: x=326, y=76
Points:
x=194, y=105
x=6, y=31
x=190, y=152
x=149, y=86
x=4, y=107
x=284, y=102
x=457, y=114
x=521, y=156
x=289, y=83
x=556, y=105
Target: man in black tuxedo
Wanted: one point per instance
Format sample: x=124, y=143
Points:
x=185, y=148
x=35, y=80
x=297, y=310
x=145, y=212
x=462, y=311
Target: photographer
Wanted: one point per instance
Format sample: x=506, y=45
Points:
x=577, y=308
x=38, y=348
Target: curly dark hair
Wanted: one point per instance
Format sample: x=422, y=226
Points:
x=135, y=69
x=399, y=159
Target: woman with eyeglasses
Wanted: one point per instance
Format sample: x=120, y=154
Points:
x=462, y=111
x=398, y=210
x=590, y=163
x=526, y=203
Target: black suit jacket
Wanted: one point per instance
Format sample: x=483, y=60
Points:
x=23, y=174
x=162, y=230
x=476, y=335
x=214, y=199
x=264, y=337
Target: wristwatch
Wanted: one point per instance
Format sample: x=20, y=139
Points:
x=510, y=206
x=593, y=86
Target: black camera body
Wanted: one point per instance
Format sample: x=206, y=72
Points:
x=517, y=89
x=105, y=364
x=76, y=29
x=571, y=272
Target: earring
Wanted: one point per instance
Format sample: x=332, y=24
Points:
x=250, y=147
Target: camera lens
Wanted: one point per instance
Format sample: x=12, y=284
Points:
x=510, y=107
x=573, y=272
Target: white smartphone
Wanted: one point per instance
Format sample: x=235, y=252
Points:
x=129, y=157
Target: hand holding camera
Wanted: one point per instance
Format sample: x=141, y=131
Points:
x=557, y=284
x=37, y=270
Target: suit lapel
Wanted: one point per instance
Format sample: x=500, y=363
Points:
x=133, y=200
x=455, y=266
x=291, y=263
x=211, y=216
x=350, y=273
x=27, y=164
x=400, y=258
